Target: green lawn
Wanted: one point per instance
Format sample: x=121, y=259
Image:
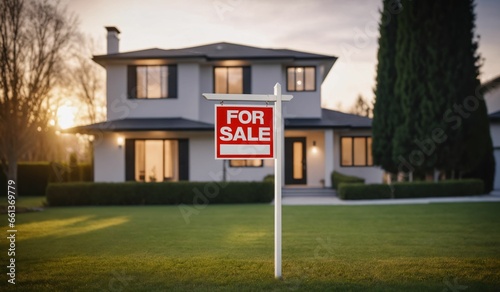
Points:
x=437, y=247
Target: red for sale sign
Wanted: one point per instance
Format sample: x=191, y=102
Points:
x=244, y=132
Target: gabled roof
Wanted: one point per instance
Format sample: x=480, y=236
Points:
x=216, y=51
x=330, y=119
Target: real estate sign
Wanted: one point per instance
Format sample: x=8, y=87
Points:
x=244, y=132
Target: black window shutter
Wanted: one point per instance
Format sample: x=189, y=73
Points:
x=172, y=81
x=247, y=83
x=183, y=159
x=132, y=81
x=129, y=160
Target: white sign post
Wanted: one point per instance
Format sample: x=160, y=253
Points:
x=224, y=134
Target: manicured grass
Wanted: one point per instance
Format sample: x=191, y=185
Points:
x=230, y=247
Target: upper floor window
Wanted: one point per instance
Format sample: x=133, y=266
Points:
x=356, y=151
x=232, y=80
x=301, y=78
x=152, y=82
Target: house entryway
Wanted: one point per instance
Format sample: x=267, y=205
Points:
x=295, y=161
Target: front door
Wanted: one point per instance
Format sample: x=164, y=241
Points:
x=295, y=161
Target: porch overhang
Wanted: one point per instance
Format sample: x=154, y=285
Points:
x=142, y=124
x=330, y=119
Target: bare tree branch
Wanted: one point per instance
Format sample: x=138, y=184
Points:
x=34, y=36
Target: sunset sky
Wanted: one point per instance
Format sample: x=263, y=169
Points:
x=346, y=29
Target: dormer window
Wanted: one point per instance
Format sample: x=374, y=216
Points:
x=152, y=82
x=234, y=80
x=301, y=78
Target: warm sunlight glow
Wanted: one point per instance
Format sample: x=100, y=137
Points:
x=66, y=116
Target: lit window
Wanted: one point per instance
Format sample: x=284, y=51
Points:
x=301, y=78
x=246, y=163
x=231, y=80
x=152, y=82
x=356, y=151
x=156, y=160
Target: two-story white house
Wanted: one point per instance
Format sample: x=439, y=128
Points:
x=160, y=128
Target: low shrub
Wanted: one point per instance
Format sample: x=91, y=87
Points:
x=449, y=188
x=338, y=178
x=360, y=191
x=165, y=193
x=33, y=177
x=269, y=178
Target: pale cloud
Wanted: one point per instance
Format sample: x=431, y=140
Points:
x=346, y=29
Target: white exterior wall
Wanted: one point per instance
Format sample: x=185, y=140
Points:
x=372, y=174
x=202, y=164
x=315, y=160
x=109, y=159
x=184, y=106
x=117, y=104
x=109, y=162
x=305, y=104
x=492, y=99
x=495, y=136
x=329, y=159
x=206, y=86
x=264, y=77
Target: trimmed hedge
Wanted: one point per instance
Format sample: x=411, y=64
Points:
x=33, y=177
x=449, y=188
x=338, y=178
x=359, y=191
x=164, y=193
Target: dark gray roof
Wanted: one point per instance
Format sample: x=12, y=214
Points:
x=330, y=119
x=490, y=85
x=216, y=51
x=495, y=116
x=144, y=124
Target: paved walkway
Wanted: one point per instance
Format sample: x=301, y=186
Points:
x=321, y=200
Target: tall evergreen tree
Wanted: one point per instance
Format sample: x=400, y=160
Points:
x=445, y=125
x=410, y=85
x=477, y=160
x=386, y=112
